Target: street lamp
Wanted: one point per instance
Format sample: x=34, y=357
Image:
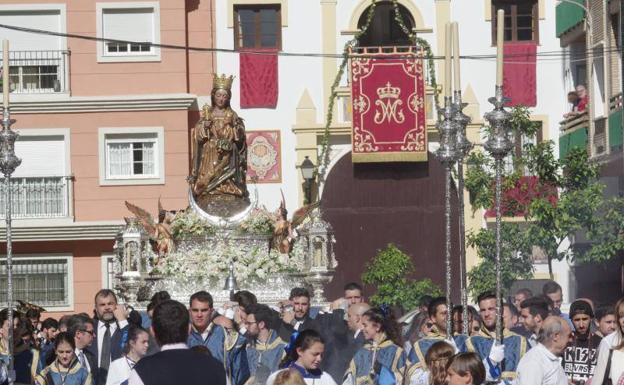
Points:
x=8, y=163
x=307, y=172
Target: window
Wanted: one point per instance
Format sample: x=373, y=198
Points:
x=138, y=24
x=39, y=78
x=383, y=29
x=257, y=26
x=43, y=281
x=521, y=20
x=37, y=61
x=131, y=155
x=108, y=270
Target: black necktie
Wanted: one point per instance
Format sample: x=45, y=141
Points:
x=106, y=345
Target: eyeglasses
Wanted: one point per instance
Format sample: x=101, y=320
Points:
x=92, y=332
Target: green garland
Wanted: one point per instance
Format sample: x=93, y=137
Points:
x=324, y=158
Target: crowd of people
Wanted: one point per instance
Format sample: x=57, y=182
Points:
x=350, y=343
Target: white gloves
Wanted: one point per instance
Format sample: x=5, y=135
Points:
x=497, y=353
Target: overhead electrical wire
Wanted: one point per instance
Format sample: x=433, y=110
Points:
x=577, y=56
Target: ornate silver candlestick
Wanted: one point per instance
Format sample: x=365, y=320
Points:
x=448, y=154
x=8, y=163
x=463, y=148
x=498, y=145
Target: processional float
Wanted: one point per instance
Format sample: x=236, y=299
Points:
x=223, y=241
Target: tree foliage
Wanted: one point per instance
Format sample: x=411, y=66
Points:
x=515, y=258
x=389, y=271
x=580, y=207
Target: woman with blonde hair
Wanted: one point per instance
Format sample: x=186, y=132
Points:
x=610, y=364
x=436, y=359
x=289, y=377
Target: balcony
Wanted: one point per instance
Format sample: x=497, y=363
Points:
x=574, y=134
x=39, y=72
x=38, y=197
x=569, y=16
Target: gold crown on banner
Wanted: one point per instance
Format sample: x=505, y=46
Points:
x=388, y=92
x=222, y=82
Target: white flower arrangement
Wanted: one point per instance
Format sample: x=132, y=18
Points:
x=204, y=252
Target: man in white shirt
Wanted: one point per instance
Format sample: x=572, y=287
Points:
x=542, y=364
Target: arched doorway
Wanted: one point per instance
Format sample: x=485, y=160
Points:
x=372, y=204
x=384, y=30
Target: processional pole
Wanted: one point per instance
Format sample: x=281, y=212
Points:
x=463, y=148
x=8, y=164
x=499, y=145
x=447, y=154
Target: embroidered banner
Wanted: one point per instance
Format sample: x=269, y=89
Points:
x=263, y=157
x=388, y=98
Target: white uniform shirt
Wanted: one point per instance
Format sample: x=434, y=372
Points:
x=119, y=371
x=325, y=379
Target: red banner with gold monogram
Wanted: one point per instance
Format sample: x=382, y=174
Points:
x=388, y=98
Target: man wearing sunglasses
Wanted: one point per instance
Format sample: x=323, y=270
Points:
x=81, y=327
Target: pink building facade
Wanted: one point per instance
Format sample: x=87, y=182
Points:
x=100, y=123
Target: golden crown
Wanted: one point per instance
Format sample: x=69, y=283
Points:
x=222, y=82
x=388, y=92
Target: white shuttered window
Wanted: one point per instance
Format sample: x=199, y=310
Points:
x=137, y=23
x=48, y=20
x=42, y=155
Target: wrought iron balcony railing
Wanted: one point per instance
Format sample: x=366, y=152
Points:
x=39, y=72
x=38, y=197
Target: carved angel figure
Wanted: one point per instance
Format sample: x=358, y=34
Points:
x=284, y=230
x=159, y=233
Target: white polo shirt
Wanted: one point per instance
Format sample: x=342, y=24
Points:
x=539, y=366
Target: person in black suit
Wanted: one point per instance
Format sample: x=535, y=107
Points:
x=111, y=325
x=80, y=327
x=175, y=363
x=296, y=317
x=344, y=346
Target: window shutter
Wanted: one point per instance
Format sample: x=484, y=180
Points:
x=41, y=156
x=49, y=20
x=129, y=24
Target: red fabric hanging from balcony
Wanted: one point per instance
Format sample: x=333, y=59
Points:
x=519, y=73
x=258, y=78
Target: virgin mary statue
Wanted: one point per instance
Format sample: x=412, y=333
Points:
x=219, y=154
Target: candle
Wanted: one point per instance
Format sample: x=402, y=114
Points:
x=5, y=73
x=500, y=31
x=456, y=56
x=447, y=61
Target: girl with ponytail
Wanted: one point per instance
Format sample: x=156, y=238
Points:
x=304, y=354
x=381, y=361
